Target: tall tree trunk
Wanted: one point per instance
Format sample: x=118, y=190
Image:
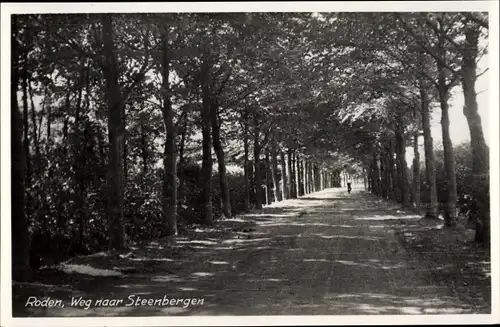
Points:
x=315, y=178
x=402, y=164
x=49, y=129
x=116, y=134
x=480, y=151
x=169, y=201
x=307, y=169
x=321, y=180
x=48, y=143
x=375, y=175
x=219, y=151
x=299, y=175
x=78, y=105
x=450, y=215
x=144, y=152
x=393, y=180
x=311, y=174
x=274, y=170
x=303, y=175
x=36, y=139
x=19, y=223
x=290, y=175
x=42, y=111
x=311, y=178
x=125, y=148
x=388, y=172
x=182, y=145
x=26, y=137
x=251, y=180
x=416, y=174
x=324, y=177
x=81, y=154
x=430, y=170
x=246, y=168
x=67, y=106
x=284, y=176
x=383, y=174
x=294, y=174
x=80, y=163
x=320, y=177
x=365, y=181
x=269, y=190
x=369, y=178
x=306, y=176
x=257, y=170
x=300, y=166
x=206, y=146
x=80, y=170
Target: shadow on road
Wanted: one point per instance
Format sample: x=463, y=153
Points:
x=320, y=254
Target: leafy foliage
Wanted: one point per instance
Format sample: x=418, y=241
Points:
x=339, y=91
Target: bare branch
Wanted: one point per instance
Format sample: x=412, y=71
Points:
x=481, y=92
x=481, y=55
x=482, y=73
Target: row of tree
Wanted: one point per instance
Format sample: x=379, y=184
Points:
x=112, y=109
x=429, y=55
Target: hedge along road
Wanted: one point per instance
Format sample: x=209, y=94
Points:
x=329, y=253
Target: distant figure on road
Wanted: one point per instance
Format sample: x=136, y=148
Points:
x=349, y=188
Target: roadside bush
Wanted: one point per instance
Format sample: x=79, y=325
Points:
x=56, y=218
x=191, y=202
x=464, y=178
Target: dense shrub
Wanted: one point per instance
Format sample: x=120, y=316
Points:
x=464, y=178
x=190, y=199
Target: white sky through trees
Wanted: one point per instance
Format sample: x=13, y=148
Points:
x=459, y=129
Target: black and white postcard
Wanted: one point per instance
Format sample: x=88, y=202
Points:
x=249, y=163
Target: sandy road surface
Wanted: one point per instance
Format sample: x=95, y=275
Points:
x=328, y=253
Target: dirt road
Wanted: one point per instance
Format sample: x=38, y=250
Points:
x=328, y=253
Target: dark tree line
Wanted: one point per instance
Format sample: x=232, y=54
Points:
x=128, y=127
